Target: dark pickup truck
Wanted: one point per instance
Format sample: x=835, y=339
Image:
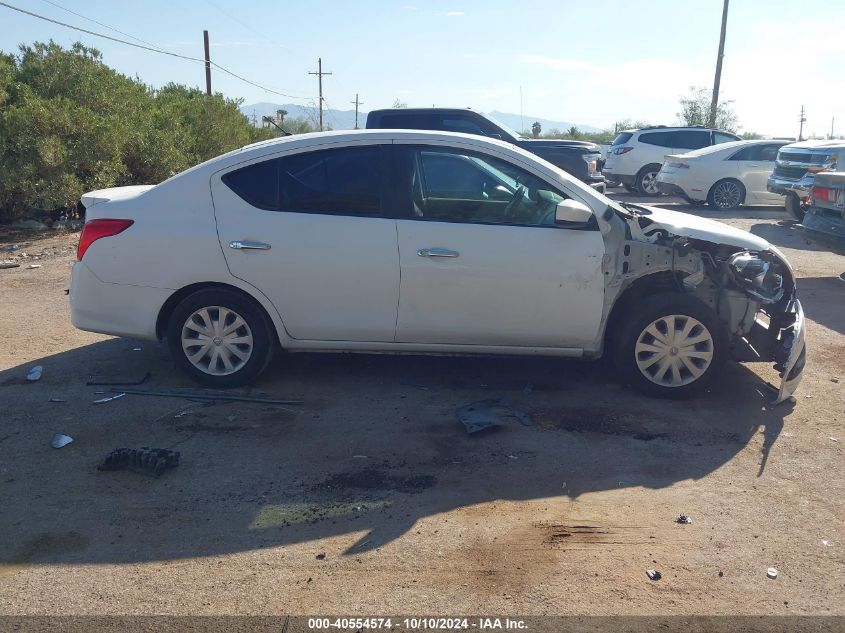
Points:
x=582, y=159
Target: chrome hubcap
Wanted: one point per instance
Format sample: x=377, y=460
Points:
x=650, y=182
x=726, y=195
x=217, y=340
x=674, y=350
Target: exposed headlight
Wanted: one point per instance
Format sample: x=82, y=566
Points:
x=758, y=277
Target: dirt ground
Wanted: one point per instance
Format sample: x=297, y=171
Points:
x=370, y=498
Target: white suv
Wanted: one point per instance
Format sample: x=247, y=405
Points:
x=635, y=156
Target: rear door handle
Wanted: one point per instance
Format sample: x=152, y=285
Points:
x=248, y=245
x=437, y=252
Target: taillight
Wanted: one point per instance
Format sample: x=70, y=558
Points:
x=824, y=193
x=622, y=150
x=95, y=229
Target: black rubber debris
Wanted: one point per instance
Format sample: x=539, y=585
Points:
x=146, y=460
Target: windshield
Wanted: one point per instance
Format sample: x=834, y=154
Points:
x=510, y=131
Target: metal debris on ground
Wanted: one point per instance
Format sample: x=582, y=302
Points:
x=772, y=573
x=486, y=414
x=4, y=265
x=60, y=440
x=109, y=399
x=834, y=379
x=35, y=373
x=653, y=574
x=105, y=381
x=683, y=518
x=199, y=395
x=146, y=460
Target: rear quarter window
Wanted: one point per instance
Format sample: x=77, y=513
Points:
x=257, y=184
x=661, y=139
x=623, y=138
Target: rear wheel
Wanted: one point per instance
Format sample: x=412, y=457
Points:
x=671, y=346
x=795, y=207
x=219, y=338
x=726, y=195
x=647, y=180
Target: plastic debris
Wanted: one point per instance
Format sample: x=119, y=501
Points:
x=199, y=395
x=320, y=556
x=833, y=439
x=9, y=265
x=60, y=440
x=34, y=266
x=486, y=414
x=109, y=399
x=106, y=381
x=825, y=542
x=683, y=518
x=35, y=373
x=146, y=460
x=653, y=574
x=834, y=379
x=772, y=573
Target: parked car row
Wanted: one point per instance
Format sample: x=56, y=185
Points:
x=716, y=167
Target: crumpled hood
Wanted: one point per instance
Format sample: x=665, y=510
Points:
x=694, y=227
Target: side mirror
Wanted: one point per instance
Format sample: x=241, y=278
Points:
x=572, y=212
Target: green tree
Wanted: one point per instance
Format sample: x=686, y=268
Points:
x=536, y=128
x=695, y=110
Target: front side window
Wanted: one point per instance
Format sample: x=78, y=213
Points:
x=456, y=186
x=721, y=137
x=342, y=181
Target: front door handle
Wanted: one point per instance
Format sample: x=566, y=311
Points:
x=437, y=252
x=248, y=245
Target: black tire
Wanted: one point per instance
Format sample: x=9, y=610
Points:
x=794, y=207
x=630, y=188
x=726, y=195
x=646, y=183
x=256, y=325
x=640, y=315
x=612, y=183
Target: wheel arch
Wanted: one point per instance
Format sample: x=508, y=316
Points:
x=173, y=300
x=654, y=283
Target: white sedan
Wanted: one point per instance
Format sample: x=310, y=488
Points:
x=425, y=242
x=725, y=175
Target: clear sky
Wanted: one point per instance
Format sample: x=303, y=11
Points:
x=587, y=61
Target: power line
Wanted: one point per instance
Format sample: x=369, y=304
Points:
x=110, y=28
x=153, y=49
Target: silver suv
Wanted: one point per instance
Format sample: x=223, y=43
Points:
x=796, y=167
x=635, y=156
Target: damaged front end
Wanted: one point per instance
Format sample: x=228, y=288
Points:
x=746, y=281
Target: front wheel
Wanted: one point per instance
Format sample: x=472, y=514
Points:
x=795, y=207
x=219, y=338
x=671, y=346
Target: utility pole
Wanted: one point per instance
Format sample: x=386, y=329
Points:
x=714, y=104
x=801, y=120
x=832, y=119
x=357, y=103
x=320, y=74
x=207, y=65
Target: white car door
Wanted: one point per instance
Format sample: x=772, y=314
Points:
x=755, y=164
x=307, y=230
x=482, y=262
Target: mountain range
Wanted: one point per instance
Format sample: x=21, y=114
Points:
x=345, y=119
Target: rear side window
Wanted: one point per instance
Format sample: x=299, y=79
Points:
x=690, y=139
x=757, y=152
x=342, y=181
x=661, y=139
x=623, y=138
x=407, y=122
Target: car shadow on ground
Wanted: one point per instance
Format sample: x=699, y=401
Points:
x=375, y=447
